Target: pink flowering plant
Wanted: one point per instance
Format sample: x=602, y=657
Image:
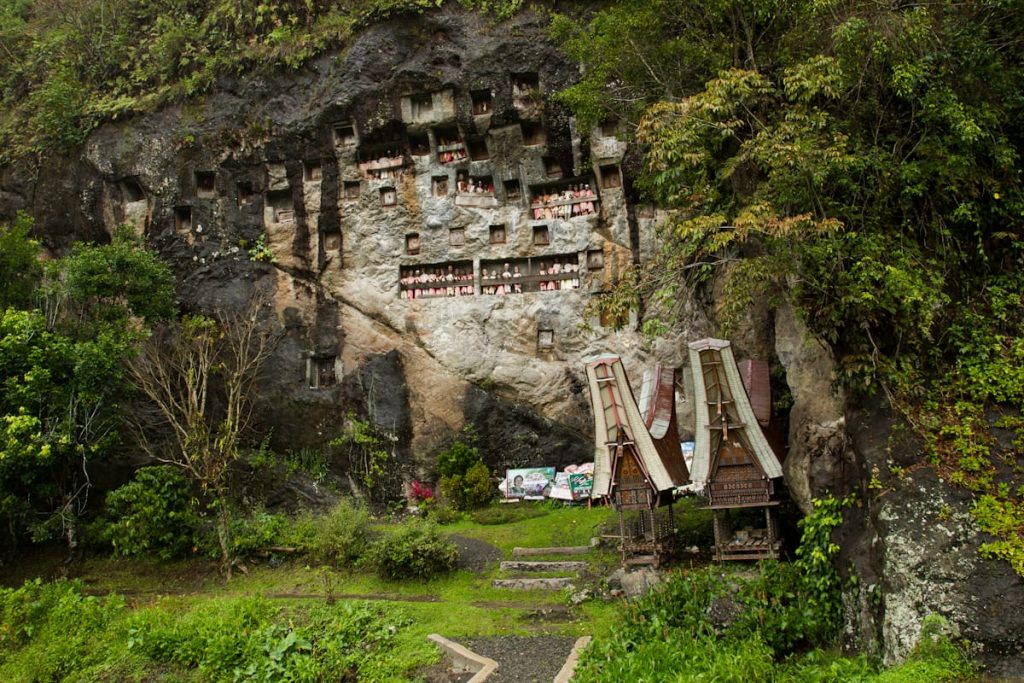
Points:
x=421, y=493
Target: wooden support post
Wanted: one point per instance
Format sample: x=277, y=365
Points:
x=622, y=534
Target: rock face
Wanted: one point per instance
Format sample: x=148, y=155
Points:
x=356, y=191
x=420, y=150
x=914, y=547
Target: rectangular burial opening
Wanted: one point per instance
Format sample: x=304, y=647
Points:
x=422, y=105
x=312, y=171
x=206, y=184
x=611, y=177
x=545, y=339
x=541, y=236
x=497, y=234
x=552, y=167
x=478, y=149
x=388, y=196
x=246, y=192
x=595, y=259
x=482, y=100
x=439, y=184
x=131, y=191
x=344, y=135
x=533, y=133
x=477, y=184
x=351, y=190
x=513, y=190
x=419, y=144
x=457, y=237
x=412, y=243
x=609, y=128
x=450, y=147
x=280, y=202
x=332, y=241
x=525, y=84
x=320, y=371
x=454, y=278
x=183, y=218
x=506, y=276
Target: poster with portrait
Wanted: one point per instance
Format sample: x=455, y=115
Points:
x=529, y=482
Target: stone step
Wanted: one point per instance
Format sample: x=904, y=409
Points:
x=554, y=584
x=563, y=550
x=521, y=566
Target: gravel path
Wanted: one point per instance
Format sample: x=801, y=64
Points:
x=473, y=554
x=523, y=659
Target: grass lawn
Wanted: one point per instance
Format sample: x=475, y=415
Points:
x=459, y=605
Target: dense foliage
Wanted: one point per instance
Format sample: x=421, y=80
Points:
x=339, y=537
x=465, y=480
x=415, y=550
x=62, y=376
x=54, y=632
x=711, y=624
x=858, y=161
x=154, y=514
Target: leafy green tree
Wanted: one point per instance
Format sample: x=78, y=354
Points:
x=20, y=270
x=62, y=382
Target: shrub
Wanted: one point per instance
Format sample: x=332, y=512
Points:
x=460, y=456
x=465, y=480
x=338, y=537
x=445, y=515
x=470, y=490
x=155, y=513
x=416, y=550
x=254, y=531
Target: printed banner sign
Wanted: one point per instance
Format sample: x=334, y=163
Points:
x=530, y=481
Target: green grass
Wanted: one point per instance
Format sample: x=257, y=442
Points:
x=559, y=526
x=179, y=621
x=184, y=595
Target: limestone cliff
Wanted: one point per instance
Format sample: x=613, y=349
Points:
x=351, y=171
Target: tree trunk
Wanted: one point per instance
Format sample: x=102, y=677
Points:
x=224, y=532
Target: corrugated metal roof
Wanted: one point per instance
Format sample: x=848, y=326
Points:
x=757, y=382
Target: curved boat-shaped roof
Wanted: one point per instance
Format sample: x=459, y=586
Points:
x=717, y=384
x=617, y=417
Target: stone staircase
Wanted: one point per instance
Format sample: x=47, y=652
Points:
x=520, y=569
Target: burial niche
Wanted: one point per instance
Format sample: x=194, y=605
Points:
x=611, y=177
x=206, y=184
x=541, y=237
x=388, y=196
x=312, y=171
x=478, y=149
x=533, y=133
x=419, y=144
x=183, y=219
x=412, y=243
x=497, y=234
x=351, y=190
x=344, y=135
x=279, y=203
x=439, y=183
x=457, y=237
x=482, y=101
x=320, y=370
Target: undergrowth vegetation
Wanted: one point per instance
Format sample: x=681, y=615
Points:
x=67, y=67
x=54, y=631
x=781, y=624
